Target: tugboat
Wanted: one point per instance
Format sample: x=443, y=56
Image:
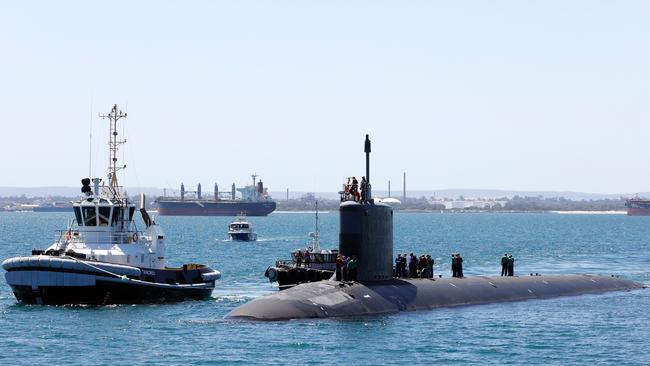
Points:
x=241, y=230
x=103, y=257
x=318, y=264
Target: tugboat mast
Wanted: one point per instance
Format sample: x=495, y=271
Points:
x=113, y=146
x=316, y=247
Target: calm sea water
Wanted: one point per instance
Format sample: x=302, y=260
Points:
x=591, y=329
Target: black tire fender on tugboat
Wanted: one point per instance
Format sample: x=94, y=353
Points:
x=272, y=274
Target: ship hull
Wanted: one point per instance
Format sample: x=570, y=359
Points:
x=89, y=289
x=638, y=207
x=47, y=280
x=214, y=208
x=106, y=293
x=345, y=299
x=638, y=211
x=243, y=236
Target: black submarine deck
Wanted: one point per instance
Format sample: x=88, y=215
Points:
x=344, y=299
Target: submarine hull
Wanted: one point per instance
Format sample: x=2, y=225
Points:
x=343, y=299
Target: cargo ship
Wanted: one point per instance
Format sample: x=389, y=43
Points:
x=254, y=201
x=638, y=206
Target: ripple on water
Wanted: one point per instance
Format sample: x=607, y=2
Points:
x=590, y=329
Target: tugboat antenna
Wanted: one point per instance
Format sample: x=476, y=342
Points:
x=113, y=144
x=90, y=144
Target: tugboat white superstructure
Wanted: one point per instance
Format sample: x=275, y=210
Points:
x=103, y=257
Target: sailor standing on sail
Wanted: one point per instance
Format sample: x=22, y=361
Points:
x=355, y=188
x=364, y=189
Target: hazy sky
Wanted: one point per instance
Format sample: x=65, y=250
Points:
x=546, y=95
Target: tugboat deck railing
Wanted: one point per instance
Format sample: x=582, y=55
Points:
x=123, y=237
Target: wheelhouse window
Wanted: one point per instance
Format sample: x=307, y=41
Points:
x=77, y=213
x=104, y=215
x=90, y=216
x=117, y=216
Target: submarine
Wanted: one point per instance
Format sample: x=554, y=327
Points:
x=366, y=232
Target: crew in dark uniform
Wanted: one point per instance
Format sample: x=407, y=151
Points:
x=364, y=189
x=413, y=263
x=511, y=265
x=459, y=268
x=454, y=265
x=422, y=266
x=352, y=269
x=403, y=265
x=398, y=264
x=429, y=266
x=354, y=190
x=504, y=265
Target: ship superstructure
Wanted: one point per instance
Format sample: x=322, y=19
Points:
x=638, y=206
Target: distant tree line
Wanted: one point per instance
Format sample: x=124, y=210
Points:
x=540, y=203
x=307, y=203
